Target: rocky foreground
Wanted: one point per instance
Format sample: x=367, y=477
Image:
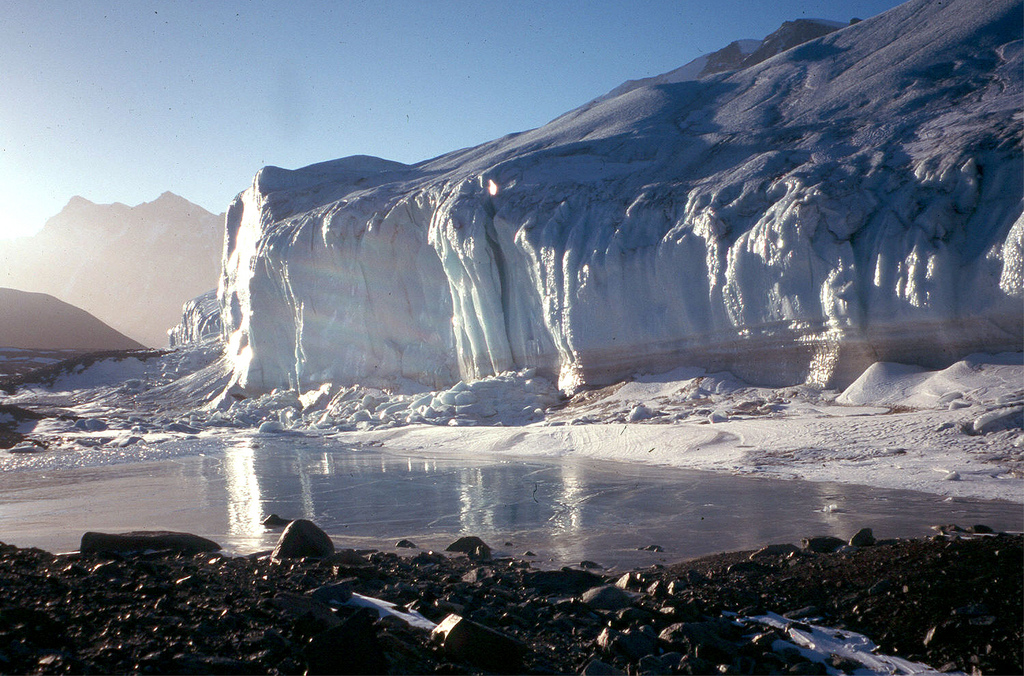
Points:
x=953, y=602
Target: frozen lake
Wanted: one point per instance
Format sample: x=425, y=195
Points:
x=564, y=510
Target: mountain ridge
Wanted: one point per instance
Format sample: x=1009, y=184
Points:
x=133, y=267
x=40, y=321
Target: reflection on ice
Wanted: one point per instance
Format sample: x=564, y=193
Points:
x=565, y=509
x=568, y=509
x=245, y=511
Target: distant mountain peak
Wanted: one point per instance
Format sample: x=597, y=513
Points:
x=737, y=55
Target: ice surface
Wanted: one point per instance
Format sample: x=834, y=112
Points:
x=854, y=199
x=896, y=427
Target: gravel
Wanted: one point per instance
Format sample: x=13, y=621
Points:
x=953, y=602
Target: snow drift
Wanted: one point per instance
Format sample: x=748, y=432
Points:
x=857, y=198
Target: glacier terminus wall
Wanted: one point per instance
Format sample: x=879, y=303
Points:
x=856, y=198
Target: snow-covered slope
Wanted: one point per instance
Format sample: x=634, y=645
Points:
x=736, y=55
x=857, y=198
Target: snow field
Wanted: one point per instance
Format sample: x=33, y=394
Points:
x=896, y=429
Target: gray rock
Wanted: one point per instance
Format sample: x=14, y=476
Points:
x=405, y=544
x=685, y=637
x=863, y=538
x=347, y=557
x=564, y=581
x=771, y=551
x=274, y=521
x=607, y=597
x=140, y=541
x=822, y=544
x=471, y=545
x=630, y=580
x=606, y=639
x=632, y=644
x=311, y=609
x=465, y=640
x=635, y=644
x=303, y=538
x=476, y=576
x=338, y=592
x=599, y=668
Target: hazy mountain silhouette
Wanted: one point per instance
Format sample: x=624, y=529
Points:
x=132, y=267
x=40, y=321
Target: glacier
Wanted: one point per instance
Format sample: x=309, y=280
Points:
x=854, y=199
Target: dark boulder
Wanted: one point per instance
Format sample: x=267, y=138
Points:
x=274, y=521
x=565, y=581
x=140, y=541
x=607, y=597
x=351, y=647
x=822, y=544
x=303, y=538
x=471, y=545
x=467, y=641
x=863, y=538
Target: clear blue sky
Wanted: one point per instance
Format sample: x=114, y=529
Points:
x=120, y=101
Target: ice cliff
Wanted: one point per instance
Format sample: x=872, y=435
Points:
x=200, y=321
x=857, y=198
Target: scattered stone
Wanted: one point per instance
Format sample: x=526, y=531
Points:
x=979, y=529
x=274, y=521
x=471, y=545
x=565, y=581
x=159, y=612
x=590, y=565
x=631, y=580
x=822, y=544
x=428, y=558
x=863, y=538
x=880, y=587
x=347, y=557
x=406, y=544
x=607, y=597
x=636, y=643
x=599, y=668
x=303, y=538
x=651, y=548
x=140, y=541
x=687, y=637
x=308, y=608
x=352, y=647
x=463, y=639
x=772, y=551
x=745, y=567
x=336, y=593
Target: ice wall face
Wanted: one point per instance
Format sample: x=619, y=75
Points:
x=851, y=200
x=200, y=321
